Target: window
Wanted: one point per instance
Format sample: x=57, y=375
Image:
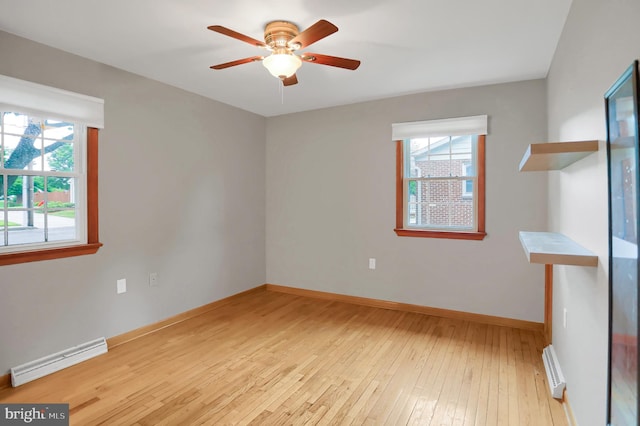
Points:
x=467, y=185
x=48, y=173
x=440, y=178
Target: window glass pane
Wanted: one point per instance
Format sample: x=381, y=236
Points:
x=60, y=157
x=21, y=124
x=58, y=130
x=440, y=203
x=34, y=225
x=412, y=201
x=61, y=224
x=461, y=147
x=57, y=185
x=49, y=191
x=3, y=226
x=467, y=188
x=20, y=218
x=3, y=198
x=18, y=151
x=437, y=196
x=438, y=157
x=421, y=151
x=59, y=190
x=26, y=226
x=21, y=190
x=60, y=207
x=462, y=205
x=22, y=141
x=434, y=165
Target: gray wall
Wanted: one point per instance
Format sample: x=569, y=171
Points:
x=331, y=205
x=600, y=40
x=181, y=194
x=196, y=215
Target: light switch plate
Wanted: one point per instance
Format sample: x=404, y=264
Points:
x=121, y=286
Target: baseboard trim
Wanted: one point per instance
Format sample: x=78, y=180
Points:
x=438, y=312
x=118, y=340
x=568, y=411
x=5, y=381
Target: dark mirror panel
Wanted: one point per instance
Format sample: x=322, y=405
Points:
x=621, y=103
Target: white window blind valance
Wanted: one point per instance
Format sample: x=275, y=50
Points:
x=460, y=126
x=58, y=103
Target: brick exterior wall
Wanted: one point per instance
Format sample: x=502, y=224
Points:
x=443, y=203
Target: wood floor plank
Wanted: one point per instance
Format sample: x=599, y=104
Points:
x=469, y=381
x=267, y=358
x=427, y=386
x=449, y=377
x=466, y=414
x=413, y=365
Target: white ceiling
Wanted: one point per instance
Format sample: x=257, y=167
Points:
x=406, y=46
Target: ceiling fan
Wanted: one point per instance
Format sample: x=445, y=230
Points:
x=282, y=39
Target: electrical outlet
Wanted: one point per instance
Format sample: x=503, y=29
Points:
x=121, y=286
x=564, y=318
x=153, y=279
x=372, y=263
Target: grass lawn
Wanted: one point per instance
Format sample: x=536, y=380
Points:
x=9, y=224
x=64, y=213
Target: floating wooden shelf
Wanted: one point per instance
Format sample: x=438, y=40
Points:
x=551, y=248
x=555, y=155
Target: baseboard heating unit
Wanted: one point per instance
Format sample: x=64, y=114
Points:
x=51, y=363
x=554, y=374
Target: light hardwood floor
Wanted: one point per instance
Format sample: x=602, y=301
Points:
x=268, y=358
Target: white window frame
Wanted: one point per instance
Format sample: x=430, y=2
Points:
x=87, y=114
x=460, y=126
x=79, y=174
x=462, y=178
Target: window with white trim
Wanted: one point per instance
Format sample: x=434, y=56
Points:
x=42, y=182
x=48, y=172
x=440, y=178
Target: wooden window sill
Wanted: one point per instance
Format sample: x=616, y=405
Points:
x=477, y=236
x=48, y=254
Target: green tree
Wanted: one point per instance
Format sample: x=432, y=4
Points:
x=25, y=152
x=413, y=187
x=16, y=188
x=60, y=160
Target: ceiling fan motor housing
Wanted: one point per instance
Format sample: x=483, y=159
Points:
x=278, y=34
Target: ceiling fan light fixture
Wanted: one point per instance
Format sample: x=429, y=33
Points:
x=282, y=65
x=282, y=39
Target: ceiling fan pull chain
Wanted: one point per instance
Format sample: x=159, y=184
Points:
x=281, y=88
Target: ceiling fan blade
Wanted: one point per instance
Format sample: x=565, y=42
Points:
x=234, y=34
x=238, y=62
x=290, y=81
x=317, y=31
x=334, y=61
